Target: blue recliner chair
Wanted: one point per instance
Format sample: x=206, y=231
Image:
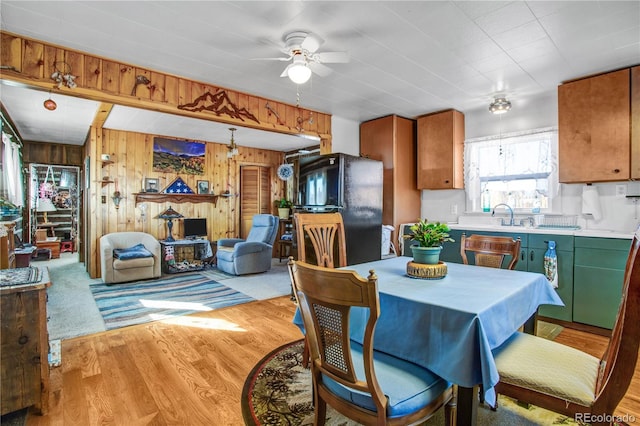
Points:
x=239, y=257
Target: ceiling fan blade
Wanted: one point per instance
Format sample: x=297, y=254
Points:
x=284, y=73
x=271, y=59
x=311, y=42
x=321, y=70
x=332, y=57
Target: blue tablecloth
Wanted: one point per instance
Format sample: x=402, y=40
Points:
x=451, y=325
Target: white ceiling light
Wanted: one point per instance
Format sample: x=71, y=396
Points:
x=499, y=106
x=298, y=71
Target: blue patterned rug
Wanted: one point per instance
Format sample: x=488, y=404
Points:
x=138, y=302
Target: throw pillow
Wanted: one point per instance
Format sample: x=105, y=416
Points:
x=134, y=252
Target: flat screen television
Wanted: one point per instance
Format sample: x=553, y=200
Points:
x=195, y=228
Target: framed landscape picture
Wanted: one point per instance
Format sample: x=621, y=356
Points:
x=203, y=187
x=178, y=156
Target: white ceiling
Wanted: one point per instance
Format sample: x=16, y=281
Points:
x=407, y=58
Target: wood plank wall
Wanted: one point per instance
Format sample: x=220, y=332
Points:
x=132, y=156
x=52, y=153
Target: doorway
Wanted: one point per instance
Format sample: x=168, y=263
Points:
x=54, y=205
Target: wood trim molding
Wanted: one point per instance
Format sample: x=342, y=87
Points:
x=31, y=62
x=160, y=197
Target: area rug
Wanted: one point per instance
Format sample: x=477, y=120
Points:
x=278, y=392
x=133, y=303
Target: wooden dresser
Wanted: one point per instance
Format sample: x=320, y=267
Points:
x=24, y=345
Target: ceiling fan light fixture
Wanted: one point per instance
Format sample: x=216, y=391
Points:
x=499, y=105
x=299, y=73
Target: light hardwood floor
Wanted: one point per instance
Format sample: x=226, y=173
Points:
x=191, y=371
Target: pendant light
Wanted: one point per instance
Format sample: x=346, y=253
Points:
x=232, y=148
x=50, y=104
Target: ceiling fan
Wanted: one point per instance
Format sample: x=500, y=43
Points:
x=301, y=48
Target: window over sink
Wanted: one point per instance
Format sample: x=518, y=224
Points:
x=518, y=169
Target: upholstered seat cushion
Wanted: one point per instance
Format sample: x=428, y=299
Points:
x=548, y=367
x=135, y=252
x=408, y=386
x=140, y=262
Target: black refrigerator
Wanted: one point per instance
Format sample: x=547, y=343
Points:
x=353, y=186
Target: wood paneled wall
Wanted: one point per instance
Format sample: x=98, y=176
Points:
x=132, y=156
x=52, y=153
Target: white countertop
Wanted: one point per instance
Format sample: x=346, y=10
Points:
x=599, y=233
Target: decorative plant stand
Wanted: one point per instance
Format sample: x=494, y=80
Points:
x=424, y=271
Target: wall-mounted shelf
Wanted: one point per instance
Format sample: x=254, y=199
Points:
x=160, y=197
x=106, y=162
x=105, y=181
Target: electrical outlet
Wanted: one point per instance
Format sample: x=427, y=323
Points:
x=454, y=209
x=621, y=191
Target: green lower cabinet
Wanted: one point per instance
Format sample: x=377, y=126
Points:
x=535, y=261
x=598, y=275
x=590, y=272
x=451, y=251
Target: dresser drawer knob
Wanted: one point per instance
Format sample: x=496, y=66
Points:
x=23, y=339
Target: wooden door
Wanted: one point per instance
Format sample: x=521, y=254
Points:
x=255, y=196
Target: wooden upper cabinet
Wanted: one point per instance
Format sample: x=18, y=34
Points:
x=392, y=140
x=593, y=128
x=635, y=122
x=441, y=150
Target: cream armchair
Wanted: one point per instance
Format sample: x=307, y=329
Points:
x=118, y=270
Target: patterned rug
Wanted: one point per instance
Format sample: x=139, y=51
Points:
x=138, y=302
x=278, y=392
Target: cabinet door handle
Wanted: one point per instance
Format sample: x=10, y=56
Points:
x=531, y=255
x=522, y=255
x=616, y=170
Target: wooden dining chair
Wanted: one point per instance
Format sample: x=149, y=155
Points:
x=325, y=233
x=571, y=382
x=370, y=387
x=490, y=250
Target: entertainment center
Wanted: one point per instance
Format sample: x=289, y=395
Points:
x=186, y=255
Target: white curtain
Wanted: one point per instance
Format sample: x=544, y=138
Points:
x=511, y=156
x=11, y=171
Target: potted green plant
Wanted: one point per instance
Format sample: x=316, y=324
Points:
x=430, y=237
x=283, y=208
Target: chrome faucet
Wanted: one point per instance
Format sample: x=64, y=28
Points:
x=493, y=213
